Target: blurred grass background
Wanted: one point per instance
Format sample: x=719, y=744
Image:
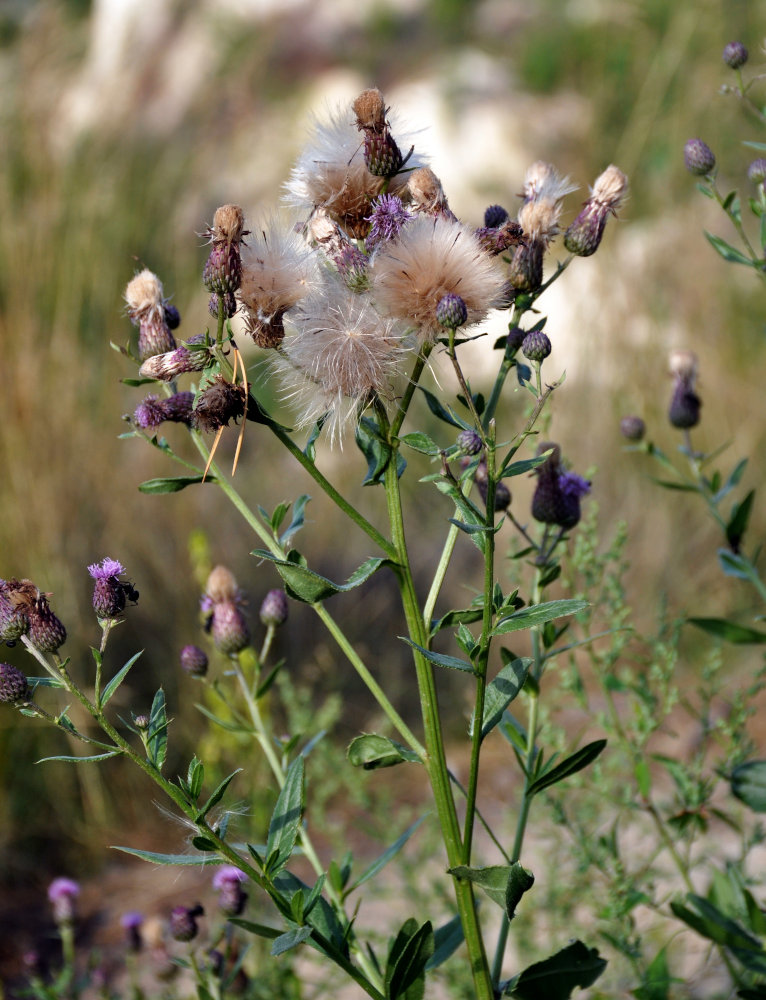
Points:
x=124, y=126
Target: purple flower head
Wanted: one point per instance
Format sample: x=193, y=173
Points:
x=572, y=485
x=388, y=217
x=131, y=923
x=194, y=661
x=226, y=875
x=228, y=881
x=62, y=892
x=274, y=608
x=13, y=684
x=109, y=593
x=105, y=569
x=183, y=922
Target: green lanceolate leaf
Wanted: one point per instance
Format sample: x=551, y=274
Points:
x=173, y=484
x=711, y=923
x=385, y=857
x=261, y=930
x=303, y=584
x=504, y=884
x=575, y=966
x=377, y=452
x=420, y=442
x=298, y=519
x=447, y=939
x=729, y=631
x=538, y=614
x=657, y=979
x=170, y=859
x=407, y=959
x=286, y=819
x=440, y=659
x=371, y=751
x=290, y=940
x=82, y=760
x=195, y=776
x=738, y=521
x=727, y=251
x=748, y=784
x=501, y=691
x=456, y=618
x=217, y=795
x=445, y=414
x=574, y=763
x=157, y=739
x=521, y=468
x=118, y=678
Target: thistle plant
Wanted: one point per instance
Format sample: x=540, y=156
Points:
x=368, y=286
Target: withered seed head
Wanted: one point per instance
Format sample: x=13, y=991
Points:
x=370, y=111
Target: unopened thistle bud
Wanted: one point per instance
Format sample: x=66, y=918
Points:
x=13, y=618
x=228, y=628
x=229, y=305
x=141, y=722
x=756, y=172
x=166, y=367
x=223, y=270
x=274, y=608
x=494, y=216
x=735, y=55
x=502, y=493
x=183, y=922
x=110, y=594
x=632, y=428
x=146, y=309
x=498, y=239
x=46, y=631
x=62, y=893
x=516, y=337
x=194, y=661
x=219, y=403
x=526, y=269
x=469, y=442
x=451, y=311
x=536, y=346
x=584, y=235
x=151, y=412
x=684, y=410
x=698, y=157
x=13, y=685
x=131, y=923
x=352, y=267
x=227, y=881
x=382, y=156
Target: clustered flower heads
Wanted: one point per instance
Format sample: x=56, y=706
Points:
x=25, y=611
x=372, y=267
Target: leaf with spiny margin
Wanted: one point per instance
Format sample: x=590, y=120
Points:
x=173, y=484
x=118, y=678
x=465, y=616
x=372, y=751
x=291, y=939
x=170, y=859
x=303, y=584
x=285, y=820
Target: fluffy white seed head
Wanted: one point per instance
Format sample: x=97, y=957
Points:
x=342, y=355
x=431, y=258
x=144, y=297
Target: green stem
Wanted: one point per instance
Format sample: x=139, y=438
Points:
x=505, y=366
x=435, y=762
x=481, y=662
x=409, y=392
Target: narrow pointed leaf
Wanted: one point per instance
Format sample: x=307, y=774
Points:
x=386, y=856
x=82, y=760
x=407, y=959
x=118, y=678
x=286, y=819
x=157, y=742
x=748, y=784
x=217, y=795
x=262, y=930
x=576, y=762
x=447, y=939
x=170, y=859
x=729, y=631
x=173, y=484
x=440, y=659
x=501, y=691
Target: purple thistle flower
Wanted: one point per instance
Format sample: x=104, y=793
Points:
x=13, y=684
x=387, y=220
x=183, y=922
x=194, y=661
x=153, y=411
x=62, y=892
x=572, y=485
x=274, y=609
x=228, y=882
x=109, y=593
x=226, y=875
x=131, y=923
